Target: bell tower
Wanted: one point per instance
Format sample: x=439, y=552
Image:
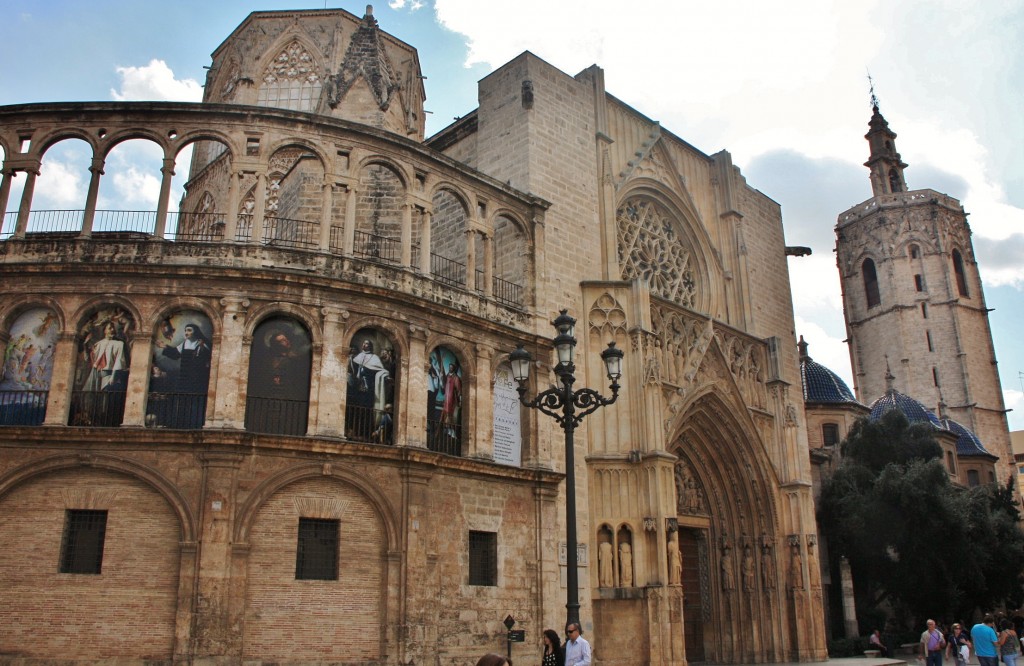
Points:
x=913, y=299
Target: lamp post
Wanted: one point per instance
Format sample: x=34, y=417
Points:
x=568, y=407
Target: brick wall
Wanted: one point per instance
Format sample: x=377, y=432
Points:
x=126, y=611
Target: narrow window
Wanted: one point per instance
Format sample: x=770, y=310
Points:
x=915, y=252
x=935, y=376
x=871, y=283
x=483, y=558
x=316, y=557
x=918, y=283
x=829, y=434
x=961, y=278
x=950, y=462
x=991, y=477
x=972, y=478
x=81, y=548
x=924, y=310
x=928, y=336
x=894, y=181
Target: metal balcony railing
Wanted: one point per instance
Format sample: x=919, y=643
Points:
x=447, y=271
x=182, y=411
x=99, y=409
x=377, y=248
x=366, y=424
x=276, y=416
x=23, y=407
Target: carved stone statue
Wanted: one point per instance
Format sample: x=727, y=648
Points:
x=626, y=565
x=605, y=565
x=747, y=569
x=675, y=563
x=796, y=568
x=728, y=575
x=768, y=567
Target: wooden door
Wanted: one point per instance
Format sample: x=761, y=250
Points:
x=693, y=600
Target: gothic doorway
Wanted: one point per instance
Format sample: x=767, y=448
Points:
x=690, y=543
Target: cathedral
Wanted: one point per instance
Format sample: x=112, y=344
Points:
x=279, y=424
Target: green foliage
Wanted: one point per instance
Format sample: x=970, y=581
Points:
x=913, y=539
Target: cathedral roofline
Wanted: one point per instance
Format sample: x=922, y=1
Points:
x=898, y=200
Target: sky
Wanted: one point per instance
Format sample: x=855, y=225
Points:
x=781, y=84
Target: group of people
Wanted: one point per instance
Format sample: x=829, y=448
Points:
x=989, y=645
x=574, y=652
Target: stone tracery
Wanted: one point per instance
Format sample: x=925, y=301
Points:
x=651, y=248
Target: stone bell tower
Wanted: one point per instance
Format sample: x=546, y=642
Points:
x=913, y=299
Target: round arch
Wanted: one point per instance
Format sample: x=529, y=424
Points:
x=398, y=169
x=249, y=510
x=260, y=314
x=24, y=302
x=151, y=477
x=42, y=144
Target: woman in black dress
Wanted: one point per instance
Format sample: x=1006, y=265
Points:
x=553, y=654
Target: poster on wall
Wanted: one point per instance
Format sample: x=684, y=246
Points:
x=444, y=402
x=508, y=437
x=28, y=359
x=180, y=379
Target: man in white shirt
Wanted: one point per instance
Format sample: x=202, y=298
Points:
x=577, y=649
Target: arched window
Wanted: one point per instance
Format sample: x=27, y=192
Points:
x=444, y=402
x=291, y=80
x=101, y=374
x=894, y=181
x=915, y=251
x=27, y=367
x=871, y=283
x=370, y=397
x=278, y=388
x=180, y=380
x=973, y=478
x=961, y=277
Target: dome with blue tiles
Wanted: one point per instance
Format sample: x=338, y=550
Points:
x=967, y=443
x=910, y=408
x=821, y=384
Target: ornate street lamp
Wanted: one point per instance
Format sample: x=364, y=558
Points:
x=568, y=407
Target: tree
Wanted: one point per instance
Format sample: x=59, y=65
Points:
x=914, y=540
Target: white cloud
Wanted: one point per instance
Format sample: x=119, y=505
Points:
x=155, y=82
x=826, y=349
x=60, y=186
x=1014, y=400
x=401, y=4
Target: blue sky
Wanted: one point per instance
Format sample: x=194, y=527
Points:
x=781, y=84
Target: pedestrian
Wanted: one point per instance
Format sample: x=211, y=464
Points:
x=876, y=643
x=932, y=644
x=985, y=640
x=493, y=660
x=958, y=645
x=554, y=655
x=1009, y=647
x=577, y=649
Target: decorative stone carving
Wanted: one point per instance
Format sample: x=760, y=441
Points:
x=675, y=563
x=605, y=565
x=689, y=495
x=747, y=569
x=651, y=248
x=625, y=565
x=767, y=562
x=796, y=564
x=607, y=317
x=728, y=572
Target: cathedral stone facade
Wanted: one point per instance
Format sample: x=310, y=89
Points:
x=278, y=425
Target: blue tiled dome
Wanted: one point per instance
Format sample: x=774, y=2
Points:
x=823, y=385
x=967, y=443
x=912, y=409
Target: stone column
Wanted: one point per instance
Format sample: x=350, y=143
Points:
x=95, y=171
x=350, y=222
x=470, y=259
x=26, y=202
x=259, y=214
x=167, y=173
x=333, y=376
x=407, y=235
x=849, y=602
x=215, y=632
x=229, y=409
x=412, y=421
x=62, y=380
x=488, y=265
x=481, y=395
x=187, y=574
x=425, y=243
x=231, y=215
x=327, y=210
x=6, y=176
x=138, y=380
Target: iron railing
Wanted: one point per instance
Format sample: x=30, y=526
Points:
x=377, y=248
x=99, y=409
x=276, y=416
x=23, y=407
x=284, y=232
x=444, y=437
x=182, y=411
x=447, y=271
x=366, y=424
x=195, y=227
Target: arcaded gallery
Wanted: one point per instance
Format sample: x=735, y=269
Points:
x=275, y=422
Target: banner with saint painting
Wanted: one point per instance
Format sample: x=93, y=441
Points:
x=101, y=370
x=279, y=371
x=444, y=402
x=27, y=367
x=370, y=393
x=180, y=378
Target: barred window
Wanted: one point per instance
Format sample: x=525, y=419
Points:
x=81, y=548
x=483, y=558
x=829, y=434
x=316, y=557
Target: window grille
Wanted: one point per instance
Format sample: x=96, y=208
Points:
x=316, y=557
x=483, y=558
x=830, y=434
x=81, y=549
